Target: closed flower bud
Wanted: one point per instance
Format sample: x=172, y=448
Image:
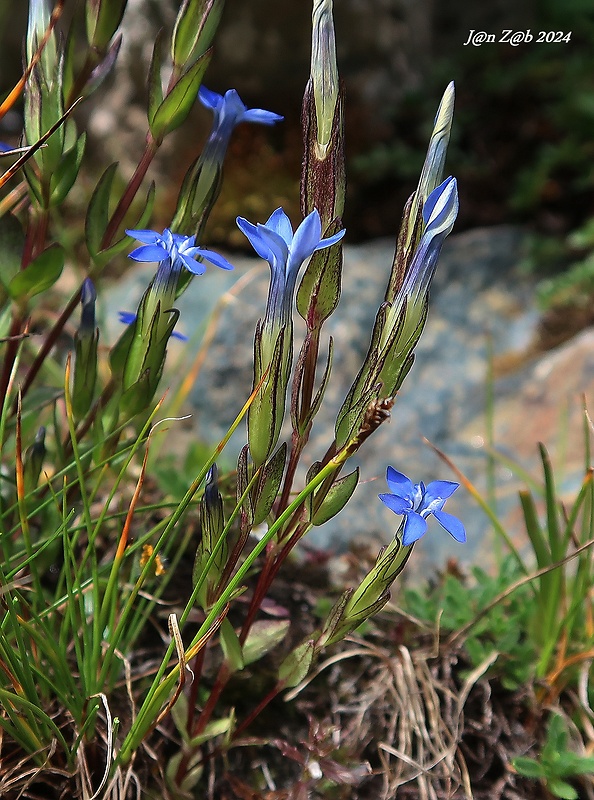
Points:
x=85, y=364
x=213, y=523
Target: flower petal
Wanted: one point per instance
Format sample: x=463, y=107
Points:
x=440, y=490
x=280, y=223
x=254, y=236
x=399, y=505
x=278, y=251
x=414, y=527
x=210, y=99
x=336, y=237
x=149, y=252
x=452, y=525
x=399, y=484
x=127, y=317
x=195, y=267
x=306, y=238
x=441, y=207
x=145, y=236
x=261, y=116
x=214, y=258
x=233, y=106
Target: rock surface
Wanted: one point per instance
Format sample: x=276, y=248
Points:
x=478, y=296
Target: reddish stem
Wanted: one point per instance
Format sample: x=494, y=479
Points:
x=299, y=440
x=50, y=341
x=262, y=587
x=258, y=709
x=130, y=192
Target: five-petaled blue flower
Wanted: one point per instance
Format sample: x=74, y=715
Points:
x=181, y=250
x=417, y=502
x=285, y=251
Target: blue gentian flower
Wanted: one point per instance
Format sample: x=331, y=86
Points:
x=417, y=502
x=203, y=182
x=179, y=249
x=172, y=251
x=285, y=251
x=229, y=111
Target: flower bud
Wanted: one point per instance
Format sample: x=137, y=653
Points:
x=324, y=72
x=85, y=365
x=213, y=523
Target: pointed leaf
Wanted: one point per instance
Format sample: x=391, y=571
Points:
x=338, y=496
x=319, y=291
x=155, y=87
x=12, y=241
x=272, y=475
x=562, y=789
x=39, y=275
x=63, y=178
x=193, y=30
x=98, y=211
x=297, y=664
x=231, y=646
x=243, y=480
x=264, y=635
x=175, y=107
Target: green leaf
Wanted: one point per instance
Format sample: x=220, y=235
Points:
x=231, y=647
x=62, y=180
x=319, y=290
x=552, y=504
x=216, y=727
x=176, y=106
x=12, y=241
x=338, y=496
x=98, y=218
x=98, y=211
x=103, y=19
x=264, y=635
x=533, y=529
x=556, y=737
x=194, y=29
x=272, y=474
x=155, y=88
x=39, y=275
x=297, y=664
x=194, y=770
x=562, y=789
x=528, y=767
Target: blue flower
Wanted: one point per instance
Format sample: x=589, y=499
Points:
x=285, y=251
x=417, y=502
x=229, y=111
x=181, y=250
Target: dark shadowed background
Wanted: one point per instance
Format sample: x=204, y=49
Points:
x=522, y=146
